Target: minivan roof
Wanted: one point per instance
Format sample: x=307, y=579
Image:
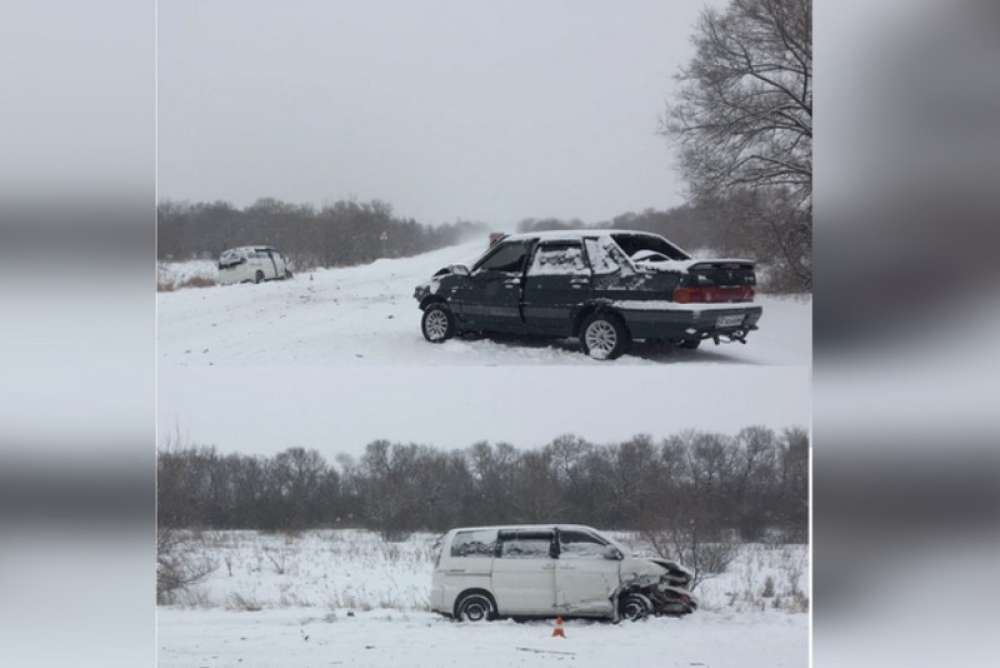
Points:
x=246, y=248
x=526, y=527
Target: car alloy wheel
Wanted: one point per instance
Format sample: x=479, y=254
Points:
x=436, y=325
x=601, y=339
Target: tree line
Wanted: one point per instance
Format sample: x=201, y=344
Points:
x=749, y=485
x=343, y=233
x=767, y=226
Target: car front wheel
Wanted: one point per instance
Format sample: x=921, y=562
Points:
x=604, y=336
x=438, y=324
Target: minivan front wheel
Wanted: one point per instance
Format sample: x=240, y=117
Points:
x=437, y=324
x=604, y=336
x=634, y=607
x=258, y=277
x=475, y=608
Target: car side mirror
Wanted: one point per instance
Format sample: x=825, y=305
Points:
x=459, y=269
x=613, y=553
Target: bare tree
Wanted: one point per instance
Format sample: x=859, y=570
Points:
x=743, y=117
x=687, y=543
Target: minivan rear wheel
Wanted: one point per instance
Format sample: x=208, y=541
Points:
x=475, y=607
x=258, y=277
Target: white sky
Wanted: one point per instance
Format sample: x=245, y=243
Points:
x=484, y=110
x=334, y=410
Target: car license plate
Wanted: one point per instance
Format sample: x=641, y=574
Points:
x=729, y=321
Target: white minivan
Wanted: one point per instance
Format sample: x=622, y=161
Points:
x=550, y=570
x=252, y=264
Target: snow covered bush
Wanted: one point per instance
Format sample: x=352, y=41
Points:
x=180, y=563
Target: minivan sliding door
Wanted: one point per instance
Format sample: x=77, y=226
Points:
x=524, y=573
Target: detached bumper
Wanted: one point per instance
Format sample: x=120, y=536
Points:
x=667, y=320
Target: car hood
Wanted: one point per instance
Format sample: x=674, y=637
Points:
x=669, y=572
x=676, y=574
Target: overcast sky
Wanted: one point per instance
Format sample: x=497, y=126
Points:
x=339, y=410
x=474, y=109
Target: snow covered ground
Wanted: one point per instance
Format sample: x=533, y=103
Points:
x=366, y=315
x=303, y=637
x=350, y=598
x=176, y=274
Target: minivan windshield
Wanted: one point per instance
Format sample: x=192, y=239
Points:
x=621, y=547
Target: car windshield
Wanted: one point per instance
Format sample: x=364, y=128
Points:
x=634, y=243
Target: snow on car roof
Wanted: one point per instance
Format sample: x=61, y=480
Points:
x=568, y=235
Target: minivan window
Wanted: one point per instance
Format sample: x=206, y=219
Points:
x=508, y=257
x=532, y=546
x=580, y=545
x=473, y=544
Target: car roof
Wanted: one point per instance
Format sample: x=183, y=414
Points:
x=569, y=235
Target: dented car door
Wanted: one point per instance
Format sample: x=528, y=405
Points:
x=490, y=297
x=586, y=578
x=558, y=281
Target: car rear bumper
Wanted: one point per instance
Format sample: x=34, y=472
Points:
x=688, y=321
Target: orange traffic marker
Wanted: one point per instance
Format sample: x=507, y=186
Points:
x=558, y=631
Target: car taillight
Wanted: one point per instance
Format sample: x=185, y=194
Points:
x=709, y=295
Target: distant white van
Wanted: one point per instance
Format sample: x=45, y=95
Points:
x=482, y=573
x=252, y=264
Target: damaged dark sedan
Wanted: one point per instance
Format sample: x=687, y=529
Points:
x=605, y=287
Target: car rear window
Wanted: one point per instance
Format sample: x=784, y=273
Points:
x=474, y=544
x=633, y=243
x=605, y=256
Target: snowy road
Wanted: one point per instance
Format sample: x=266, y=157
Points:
x=366, y=315
x=307, y=637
